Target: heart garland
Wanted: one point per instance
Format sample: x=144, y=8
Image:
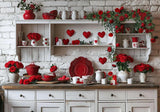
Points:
x=102, y=60
x=86, y=34
x=101, y=34
x=65, y=41
x=70, y=32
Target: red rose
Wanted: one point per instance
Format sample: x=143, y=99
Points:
x=121, y=8
x=142, y=25
x=109, y=49
x=153, y=40
x=32, y=6
x=117, y=10
x=21, y=81
x=32, y=78
x=117, y=31
x=116, y=15
x=140, y=30
x=113, y=65
x=21, y=65
x=150, y=24
x=7, y=65
x=85, y=17
x=100, y=12
x=24, y=0
x=108, y=12
x=110, y=34
x=126, y=15
x=147, y=31
x=117, y=44
x=121, y=18
x=138, y=10
x=148, y=18
x=110, y=73
x=114, y=77
x=94, y=16
x=130, y=59
x=17, y=64
x=108, y=15
x=12, y=69
x=116, y=27
x=105, y=19
x=111, y=21
x=53, y=68
x=26, y=81
x=11, y=62
x=100, y=17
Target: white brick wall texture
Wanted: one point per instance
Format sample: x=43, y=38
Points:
x=9, y=12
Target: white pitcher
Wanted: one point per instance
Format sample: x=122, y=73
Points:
x=99, y=76
x=125, y=43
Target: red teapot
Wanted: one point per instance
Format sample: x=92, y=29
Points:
x=32, y=69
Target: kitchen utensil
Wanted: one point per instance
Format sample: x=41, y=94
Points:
x=32, y=69
x=80, y=67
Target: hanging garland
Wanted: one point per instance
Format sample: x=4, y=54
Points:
x=113, y=19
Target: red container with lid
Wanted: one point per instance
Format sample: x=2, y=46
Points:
x=32, y=69
x=134, y=39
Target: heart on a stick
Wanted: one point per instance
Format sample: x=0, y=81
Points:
x=70, y=32
x=87, y=34
x=102, y=60
x=65, y=41
x=101, y=34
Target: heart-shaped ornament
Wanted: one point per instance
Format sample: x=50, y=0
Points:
x=101, y=34
x=102, y=60
x=70, y=32
x=65, y=41
x=87, y=34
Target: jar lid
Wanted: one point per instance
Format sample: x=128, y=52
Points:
x=32, y=65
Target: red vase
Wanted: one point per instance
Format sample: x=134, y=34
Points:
x=29, y=14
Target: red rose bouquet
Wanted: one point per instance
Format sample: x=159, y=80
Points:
x=34, y=36
x=13, y=66
x=53, y=68
x=122, y=62
x=143, y=68
x=32, y=80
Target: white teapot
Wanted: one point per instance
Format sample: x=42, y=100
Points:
x=99, y=76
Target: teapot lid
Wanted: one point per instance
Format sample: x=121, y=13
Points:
x=98, y=71
x=32, y=65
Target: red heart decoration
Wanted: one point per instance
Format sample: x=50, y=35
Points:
x=101, y=34
x=65, y=41
x=87, y=34
x=56, y=40
x=102, y=60
x=75, y=42
x=70, y=32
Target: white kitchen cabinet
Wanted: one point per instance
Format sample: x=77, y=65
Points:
x=50, y=107
x=140, y=107
x=21, y=106
x=111, y=107
x=82, y=106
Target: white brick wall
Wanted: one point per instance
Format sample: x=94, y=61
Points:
x=9, y=12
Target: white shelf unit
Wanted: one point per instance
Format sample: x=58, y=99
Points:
x=58, y=28
x=140, y=54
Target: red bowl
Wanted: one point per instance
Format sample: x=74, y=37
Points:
x=46, y=16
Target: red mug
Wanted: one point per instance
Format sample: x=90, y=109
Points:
x=134, y=39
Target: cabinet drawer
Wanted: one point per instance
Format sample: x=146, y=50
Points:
x=80, y=95
x=20, y=95
x=50, y=95
x=111, y=95
x=141, y=94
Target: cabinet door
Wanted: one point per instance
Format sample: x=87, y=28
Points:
x=140, y=107
x=111, y=107
x=50, y=107
x=80, y=106
x=21, y=106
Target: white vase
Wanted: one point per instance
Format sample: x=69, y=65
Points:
x=13, y=77
x=123, y=75
x=74, y=15
x=33, y=43
x=142, y=77
x=64, y=15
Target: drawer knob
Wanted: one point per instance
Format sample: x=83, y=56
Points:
x=32, y=111
x=50, y=95
x=141, y=95
x=21, y=95
x=112, y=95
x=80, y=95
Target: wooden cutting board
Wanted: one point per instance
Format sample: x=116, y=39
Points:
x=47, y=82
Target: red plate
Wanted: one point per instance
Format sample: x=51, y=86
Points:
x=80, y=67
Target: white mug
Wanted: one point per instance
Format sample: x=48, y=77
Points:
x=75, y=79
x=45, y=43
x=113, y=82
x=103, y=81
x=24, y=43
x=129, y=81
x=45, y=39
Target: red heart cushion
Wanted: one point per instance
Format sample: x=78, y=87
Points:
x=101, y=34
x=102, y=60
x=70, y=32
x=65, y=41
x=87, y=34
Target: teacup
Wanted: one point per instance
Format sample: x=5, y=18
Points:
x=24, y=43
x=75, y=79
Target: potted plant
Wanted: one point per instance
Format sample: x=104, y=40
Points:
x=13, y=68
x=143, y=69
x=34, y=37
x=29, y=8
x=122, y=61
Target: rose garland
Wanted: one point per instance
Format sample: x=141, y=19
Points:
x=113, y=19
